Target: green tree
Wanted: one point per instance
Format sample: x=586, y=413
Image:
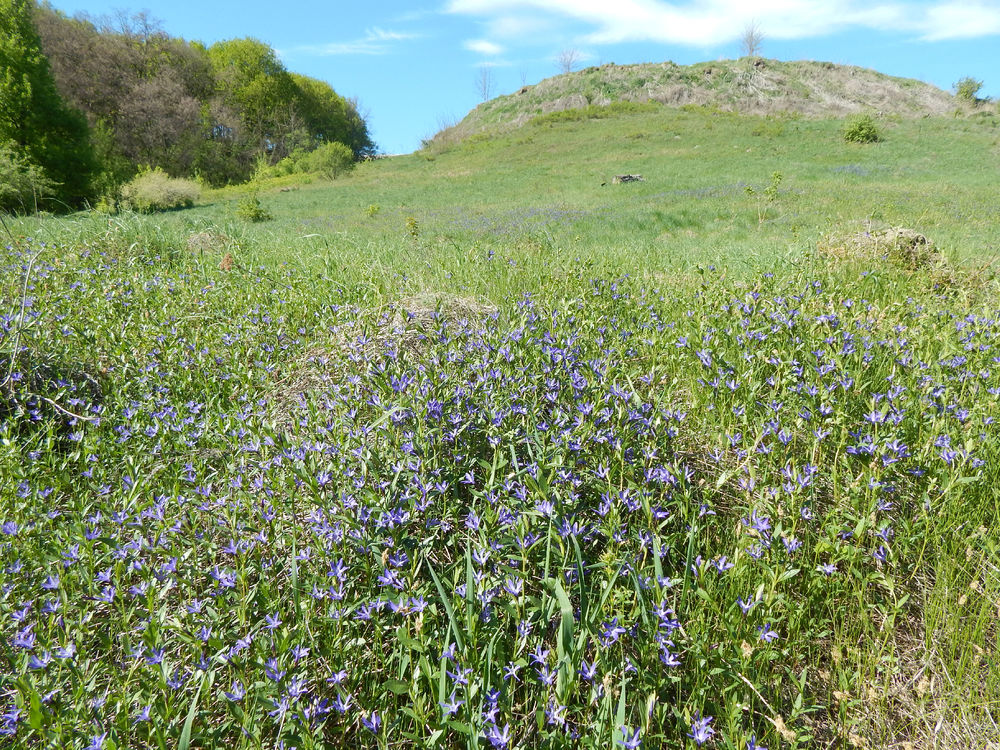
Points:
x=22, y=183
x=33, y=117
x=254, y=82
x=330, y=117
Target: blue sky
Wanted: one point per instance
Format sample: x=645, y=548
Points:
x=414, y=65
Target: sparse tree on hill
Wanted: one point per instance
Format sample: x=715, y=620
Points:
x=485, y=82
x=751, y=39
x=568, y=60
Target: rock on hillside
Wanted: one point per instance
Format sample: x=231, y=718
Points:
x=755, y=86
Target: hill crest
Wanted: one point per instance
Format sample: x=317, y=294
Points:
x=758, y=86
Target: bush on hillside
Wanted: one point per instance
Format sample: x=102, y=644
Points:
x=155, y=190
x=22, y=182
x=967, y=89
x=862, y=129
x=331, y=160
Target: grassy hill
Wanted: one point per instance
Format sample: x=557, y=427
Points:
x=751, y=86
x=474, y=448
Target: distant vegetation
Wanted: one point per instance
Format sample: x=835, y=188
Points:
x=47, y=149
x=154, y=190
x=94, y=101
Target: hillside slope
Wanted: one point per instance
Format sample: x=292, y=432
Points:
x=757, y=87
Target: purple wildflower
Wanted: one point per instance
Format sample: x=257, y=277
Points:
x=701, y=732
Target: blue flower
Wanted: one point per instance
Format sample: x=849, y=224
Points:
x=701, y=732
x=373, y=721
x=630, y=738
x=236, y=693
x=452, y=705
x=767, y=633
x=498, y=738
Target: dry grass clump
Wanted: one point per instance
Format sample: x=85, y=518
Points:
x=207, y=240
x=910, y=250
x=920, y=708
x=429, y=309
x=899, y=245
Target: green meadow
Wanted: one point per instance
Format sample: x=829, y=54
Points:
x=544, y=194
x=475, y=447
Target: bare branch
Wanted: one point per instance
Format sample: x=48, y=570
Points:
x=568, y=60
x=751, y=39
x=485, y=82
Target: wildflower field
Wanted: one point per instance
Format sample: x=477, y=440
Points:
x=406, y=472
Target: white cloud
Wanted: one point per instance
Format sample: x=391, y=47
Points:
x=522, y=26
x=962, y=21
x=376, y=41
x=712, y=22
x=483, y=47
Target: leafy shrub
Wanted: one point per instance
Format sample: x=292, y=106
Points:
x=251, y=209
x=331, y=160
x=862, y=129
x=22, y=182
x=967, y=89
x=155, y=190
x=294, y=163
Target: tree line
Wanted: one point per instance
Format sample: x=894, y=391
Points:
x=86, y=103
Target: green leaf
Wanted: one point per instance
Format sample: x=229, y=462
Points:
x=447, y=607
x=620, y=713
x=657, y=562
x=564, y=644
x=35, y=712
x=409, y=642
x=790, y=574
x=397, y=687
x=185, y=741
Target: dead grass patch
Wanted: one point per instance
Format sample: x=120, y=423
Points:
x=405, y=325
x=922, y=707
x=899, y=245
x=912, y=251
x=49, y=386
x=207, y=241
